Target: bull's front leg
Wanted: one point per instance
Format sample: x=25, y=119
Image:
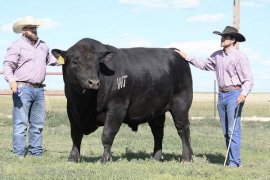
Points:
x=111, y=127
x=76, y=136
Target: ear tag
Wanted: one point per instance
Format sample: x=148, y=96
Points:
x=61, y=60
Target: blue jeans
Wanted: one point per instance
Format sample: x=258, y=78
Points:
x=28, y=111
x=227, y=106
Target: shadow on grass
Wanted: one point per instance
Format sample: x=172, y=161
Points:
x=216, y=158
x=129, y=156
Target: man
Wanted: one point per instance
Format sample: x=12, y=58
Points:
x=24, y=70
x=235, y=81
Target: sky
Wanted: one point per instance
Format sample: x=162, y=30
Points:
x=183, y=24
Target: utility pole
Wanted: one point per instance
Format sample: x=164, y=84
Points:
x=236, y=16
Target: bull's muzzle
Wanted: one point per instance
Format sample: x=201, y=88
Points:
x=93, y=84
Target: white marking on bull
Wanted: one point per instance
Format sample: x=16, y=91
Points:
x=121, y=81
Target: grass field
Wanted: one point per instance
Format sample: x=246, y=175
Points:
x=132, y=151
x=257, y=104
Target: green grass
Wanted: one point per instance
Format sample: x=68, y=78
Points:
x=132, y=155
x=132, y=151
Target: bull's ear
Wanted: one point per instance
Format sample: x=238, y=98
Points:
x=106, y=56
x=59, y=55
x=57, y=52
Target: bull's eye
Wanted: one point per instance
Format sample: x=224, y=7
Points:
x=74, y=60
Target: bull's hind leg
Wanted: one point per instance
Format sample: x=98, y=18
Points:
x=179, y=112
x=157, y=128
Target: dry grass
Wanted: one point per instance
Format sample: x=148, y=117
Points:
x=252, y=97
x=256, y=105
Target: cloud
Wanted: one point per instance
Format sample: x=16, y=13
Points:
x=201, y=48
x=4, y=43
x=209, y=18
x=128, y=40
x=131, y=40
x=267, y=62
x=266, y=77
x=2, y=53
x=254, y=4
x=6, y=27
x=47, y=24
x=256, y=58
x=162, y=4
x=139, y=43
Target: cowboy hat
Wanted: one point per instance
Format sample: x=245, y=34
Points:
x=233, y=32
x=26, y=21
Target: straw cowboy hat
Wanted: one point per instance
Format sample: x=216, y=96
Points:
x=233, y=32
x=27, y=21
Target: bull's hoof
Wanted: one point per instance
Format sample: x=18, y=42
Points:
x=187, y=160
x=158, y=156
x=73, y=159
x=105, y=159
x=70, y=160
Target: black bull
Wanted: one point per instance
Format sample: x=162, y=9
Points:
x=107, y=86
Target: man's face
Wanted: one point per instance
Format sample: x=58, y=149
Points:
x=30, y=32
x=227, y=41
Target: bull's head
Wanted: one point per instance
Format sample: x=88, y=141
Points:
x=83, y=62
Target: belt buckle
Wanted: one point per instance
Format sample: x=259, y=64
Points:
x=226, y=89
x=37, y=85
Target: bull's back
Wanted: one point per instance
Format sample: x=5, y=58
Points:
x=158, y=67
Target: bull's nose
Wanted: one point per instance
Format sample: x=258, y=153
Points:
x=94, y=83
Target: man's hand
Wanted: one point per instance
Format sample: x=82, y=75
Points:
x=241, y=99
x=184, y=55
x=13, y=86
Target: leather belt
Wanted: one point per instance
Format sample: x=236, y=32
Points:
x=33, y=85
x=229, y=88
